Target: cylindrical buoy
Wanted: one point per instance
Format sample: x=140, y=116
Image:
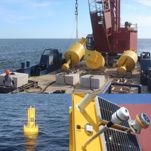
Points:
x=143, y=120
x=127, y=62
x=31, y=128
x=94, y=59
x=74, y=54
x=120, y=115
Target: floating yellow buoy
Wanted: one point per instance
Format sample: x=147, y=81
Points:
x=127, y=62
x=74, y=54
x=94, y=59
x=31, y=128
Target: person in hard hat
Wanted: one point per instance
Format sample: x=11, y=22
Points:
x=8, y=81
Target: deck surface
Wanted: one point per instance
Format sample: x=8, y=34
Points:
x=47, y=82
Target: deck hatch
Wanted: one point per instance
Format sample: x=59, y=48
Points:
x=106, y=109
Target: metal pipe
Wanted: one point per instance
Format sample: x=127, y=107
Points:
x=107, y=87
x=89, y=97
x=85, y=101
x=94, y=136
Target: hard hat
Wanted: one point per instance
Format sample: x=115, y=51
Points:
x=7, y=71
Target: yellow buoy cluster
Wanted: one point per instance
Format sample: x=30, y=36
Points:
x=127, y=62
x=74, y=54
x=31, y=128
x=94, y=59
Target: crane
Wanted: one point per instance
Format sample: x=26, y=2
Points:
x=108, y=34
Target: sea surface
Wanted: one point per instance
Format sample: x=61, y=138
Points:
x=15, y=51
x=51, y=116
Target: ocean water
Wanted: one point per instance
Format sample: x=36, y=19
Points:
x=51, y=116
x=144, y=45
x=15, y=51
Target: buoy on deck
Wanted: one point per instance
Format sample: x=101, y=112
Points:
x=94, y=59
x=31, y=129
x=74, y=54
x=127, y=61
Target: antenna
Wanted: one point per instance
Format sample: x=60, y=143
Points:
x=76, y=16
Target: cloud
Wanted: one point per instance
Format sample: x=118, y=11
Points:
x=144, y=2
x=41, y=4
x=28, y=3
x=20, y=11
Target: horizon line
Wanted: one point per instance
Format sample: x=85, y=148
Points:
x=57, y=38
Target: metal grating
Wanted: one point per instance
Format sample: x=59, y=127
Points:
x=106, y=109
x=115, y=140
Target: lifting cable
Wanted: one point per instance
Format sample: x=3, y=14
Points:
x=76, y=18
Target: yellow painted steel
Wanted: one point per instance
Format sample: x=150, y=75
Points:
x=74, y=54
x=31, y=129
x=127, y=61
x=94, y=59
x=78, y=121
x=70, y=132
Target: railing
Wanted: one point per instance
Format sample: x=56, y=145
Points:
x=139, y=87
x=132, y=27
x=95, y=6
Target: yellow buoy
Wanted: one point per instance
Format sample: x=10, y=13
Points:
x=94, y=59
x=127, y=62
x=74, y=54
x=31, y=128
x=78, y=123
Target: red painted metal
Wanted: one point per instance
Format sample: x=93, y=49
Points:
x=145, y=135
x=108, y=34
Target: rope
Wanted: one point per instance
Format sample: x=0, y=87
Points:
x=76, y=18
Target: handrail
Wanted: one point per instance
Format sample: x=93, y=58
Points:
x=138, y=86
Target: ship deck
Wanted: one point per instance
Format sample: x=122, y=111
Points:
x=47, y=83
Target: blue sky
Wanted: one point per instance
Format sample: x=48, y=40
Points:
x=55, y=18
